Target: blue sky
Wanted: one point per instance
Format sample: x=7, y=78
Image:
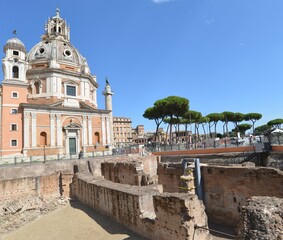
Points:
x=222, y=55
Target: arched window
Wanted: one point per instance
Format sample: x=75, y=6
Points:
x=36, y=88
x=96, y=137
x=54, y=29
x=15, y=72
x=43, y=138
x=59, y=29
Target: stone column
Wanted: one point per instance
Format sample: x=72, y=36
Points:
x=89, y=123
x=52, y=129
x=33, y=129
x=59, y=130
x=26, y=129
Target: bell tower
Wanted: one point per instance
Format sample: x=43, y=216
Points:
x=14, y=64
x=14, y=92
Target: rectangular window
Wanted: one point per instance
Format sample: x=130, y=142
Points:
x=14, y=111
x=15, y=94
x=16, y=53
x=71, y=90
x=14, y=143
x=14, y=127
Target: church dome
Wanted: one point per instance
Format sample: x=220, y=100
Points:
x=55, y=46
x=55, y=49
x=16, y=44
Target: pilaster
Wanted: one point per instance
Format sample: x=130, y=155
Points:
x=33, y=129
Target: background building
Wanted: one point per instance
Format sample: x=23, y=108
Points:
x=139, y=135
x=122, y=130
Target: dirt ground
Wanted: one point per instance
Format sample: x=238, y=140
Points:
x=72, y=222
x=78, y=222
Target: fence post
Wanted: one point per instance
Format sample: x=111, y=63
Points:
x=30, y=159
x=198, y=178
x=58, y=156
x=15, y=160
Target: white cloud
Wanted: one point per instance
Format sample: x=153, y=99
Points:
x=160, y=1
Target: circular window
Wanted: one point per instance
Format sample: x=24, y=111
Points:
x=41, y=50
x=67, y=53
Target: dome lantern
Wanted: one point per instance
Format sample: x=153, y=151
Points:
x=57, y=27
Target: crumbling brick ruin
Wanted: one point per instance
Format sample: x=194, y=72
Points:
x=262, y=218
x=156, y=200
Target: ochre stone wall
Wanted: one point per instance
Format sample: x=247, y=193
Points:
x=52, y=185
x=122, y=172
x=39, y=179
x=226, y=189
x=177, y=215
x=131, y=170
x=169, y=175
x=144, y=210
x=31, y=186
x=150, y=164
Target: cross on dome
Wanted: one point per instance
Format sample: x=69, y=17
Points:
x=57, y=12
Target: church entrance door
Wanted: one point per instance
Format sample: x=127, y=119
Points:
x=72, y=146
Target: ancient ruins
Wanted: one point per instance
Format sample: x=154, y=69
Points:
x=154, y=196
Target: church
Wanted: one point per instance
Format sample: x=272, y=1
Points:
x=48, y=102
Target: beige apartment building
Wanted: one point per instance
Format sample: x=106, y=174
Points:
x=122, y=131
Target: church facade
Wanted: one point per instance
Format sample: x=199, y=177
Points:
x=49, y=98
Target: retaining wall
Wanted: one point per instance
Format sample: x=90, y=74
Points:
x=144, y=210
x=226, y=189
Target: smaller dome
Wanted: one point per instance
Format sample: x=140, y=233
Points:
x=15, y=43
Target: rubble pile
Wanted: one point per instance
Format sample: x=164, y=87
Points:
x=262, y=218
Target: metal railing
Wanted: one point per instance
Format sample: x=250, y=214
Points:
x=206, y=144
x=16, y=160
x=127, y=150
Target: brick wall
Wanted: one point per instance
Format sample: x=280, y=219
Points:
x=143, y=209
x=169, y=175
x=122, y=172
x=226, y=189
